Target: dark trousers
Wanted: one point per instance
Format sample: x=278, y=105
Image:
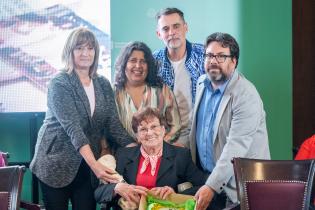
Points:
x=218, y=202
x=80, y=192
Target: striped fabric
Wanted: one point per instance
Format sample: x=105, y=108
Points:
x=161, y=98
x=152, y=159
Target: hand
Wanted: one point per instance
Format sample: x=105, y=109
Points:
x=162, y=192
x=178, y=144
x=134, y=144
x=130, y=192
x=203, y=197
x=104, y=173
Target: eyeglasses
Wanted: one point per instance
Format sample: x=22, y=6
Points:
x=144, y=130
x=134, y=61
x=219, y=58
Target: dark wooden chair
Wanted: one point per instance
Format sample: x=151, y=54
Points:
x=11, y=179
x=274, y=184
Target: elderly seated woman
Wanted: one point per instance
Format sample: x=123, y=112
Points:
x=154, y=164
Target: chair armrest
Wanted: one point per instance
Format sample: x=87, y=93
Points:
x=235, y=206
x=29, y=206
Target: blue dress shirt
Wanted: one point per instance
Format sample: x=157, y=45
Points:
x=205, y=120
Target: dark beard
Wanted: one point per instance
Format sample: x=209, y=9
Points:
x=218, y=78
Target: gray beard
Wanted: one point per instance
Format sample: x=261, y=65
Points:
x=217, y=79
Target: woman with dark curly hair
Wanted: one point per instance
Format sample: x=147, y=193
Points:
x=137, y=85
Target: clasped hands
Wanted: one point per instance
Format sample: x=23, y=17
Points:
x=129, y=192
x=133, y=193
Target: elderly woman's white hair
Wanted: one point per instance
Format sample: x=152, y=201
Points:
x=78, y=37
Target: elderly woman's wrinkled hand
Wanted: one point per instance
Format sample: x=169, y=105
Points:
x=130, y=192
x=162, y=192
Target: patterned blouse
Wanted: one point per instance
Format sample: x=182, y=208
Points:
x=155, y=97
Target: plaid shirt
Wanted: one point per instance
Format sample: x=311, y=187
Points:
x=194, y=65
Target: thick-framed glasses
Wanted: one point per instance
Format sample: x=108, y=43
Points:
x=219, y=58
x=145, y=130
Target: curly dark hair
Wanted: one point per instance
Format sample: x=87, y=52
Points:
x=226, y=40
x=152, y=78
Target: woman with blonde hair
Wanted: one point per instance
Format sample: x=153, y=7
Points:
x=81, y=109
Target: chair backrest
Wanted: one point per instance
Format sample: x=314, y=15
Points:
x=11, y=178
x=274, y=184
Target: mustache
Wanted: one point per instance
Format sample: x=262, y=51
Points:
x=214, y=66
x=172, y=38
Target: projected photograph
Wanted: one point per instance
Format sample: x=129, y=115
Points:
x=32, y=36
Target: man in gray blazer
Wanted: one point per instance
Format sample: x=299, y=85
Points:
x=228, y=121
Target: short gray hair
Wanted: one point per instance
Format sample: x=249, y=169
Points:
x=78, y=37
x=169, y=11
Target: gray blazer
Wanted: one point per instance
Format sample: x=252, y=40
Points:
x=68, y=126
x=239, y=131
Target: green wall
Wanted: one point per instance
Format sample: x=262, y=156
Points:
x=135, y=20
x=263, y=29
x=266, y=56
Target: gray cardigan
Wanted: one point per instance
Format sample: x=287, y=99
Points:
x=68, y=126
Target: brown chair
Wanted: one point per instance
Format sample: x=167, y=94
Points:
x=11, y=179
x=274, y=184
